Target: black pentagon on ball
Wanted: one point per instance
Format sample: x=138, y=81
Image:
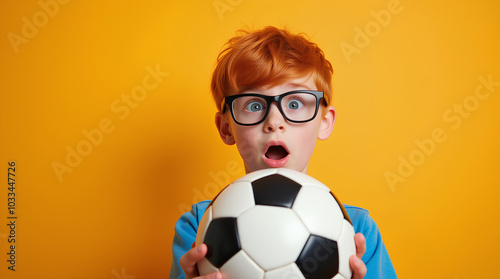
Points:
x=344, y=212
x=275, y=190
x=222, y=240
x=319, y=258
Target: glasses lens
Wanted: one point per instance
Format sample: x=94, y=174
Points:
x=299, y=106
x=249, y=109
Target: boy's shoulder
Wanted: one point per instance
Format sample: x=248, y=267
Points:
x=355, y=211
x=361, y=220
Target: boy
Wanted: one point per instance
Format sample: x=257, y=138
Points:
x=272, y=90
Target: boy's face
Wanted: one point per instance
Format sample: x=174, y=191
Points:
x=276, y=142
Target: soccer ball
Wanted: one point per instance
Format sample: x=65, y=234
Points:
x=276, y=224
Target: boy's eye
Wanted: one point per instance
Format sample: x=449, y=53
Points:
x=254, y=106
x=294, y=104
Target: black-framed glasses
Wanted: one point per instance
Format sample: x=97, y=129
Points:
x=296, y=106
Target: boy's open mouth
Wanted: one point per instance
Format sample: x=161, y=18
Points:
x=276, y=155
x=276, y=152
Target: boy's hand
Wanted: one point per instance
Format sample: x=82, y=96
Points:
x=357, y=265
x=188, y=263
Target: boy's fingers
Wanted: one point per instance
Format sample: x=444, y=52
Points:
x=360, y=241
x=358, y=267
x=188, y=260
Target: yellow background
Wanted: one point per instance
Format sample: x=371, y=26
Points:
x=113, y=215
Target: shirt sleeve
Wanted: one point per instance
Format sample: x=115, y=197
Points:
x=376, y=257
x=185, y=234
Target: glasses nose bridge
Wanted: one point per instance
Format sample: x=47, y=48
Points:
x=274, y=99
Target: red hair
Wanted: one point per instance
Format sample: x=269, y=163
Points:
x=268, y=57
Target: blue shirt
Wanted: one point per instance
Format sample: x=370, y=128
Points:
x=375, y=258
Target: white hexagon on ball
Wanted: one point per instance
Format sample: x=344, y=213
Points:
x=233, y=207
x=277, y=240
x=314, y=206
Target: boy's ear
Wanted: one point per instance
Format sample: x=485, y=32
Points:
x=327, y=122
x=224, y=129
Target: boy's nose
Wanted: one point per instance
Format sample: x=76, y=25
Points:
x=275, y=120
